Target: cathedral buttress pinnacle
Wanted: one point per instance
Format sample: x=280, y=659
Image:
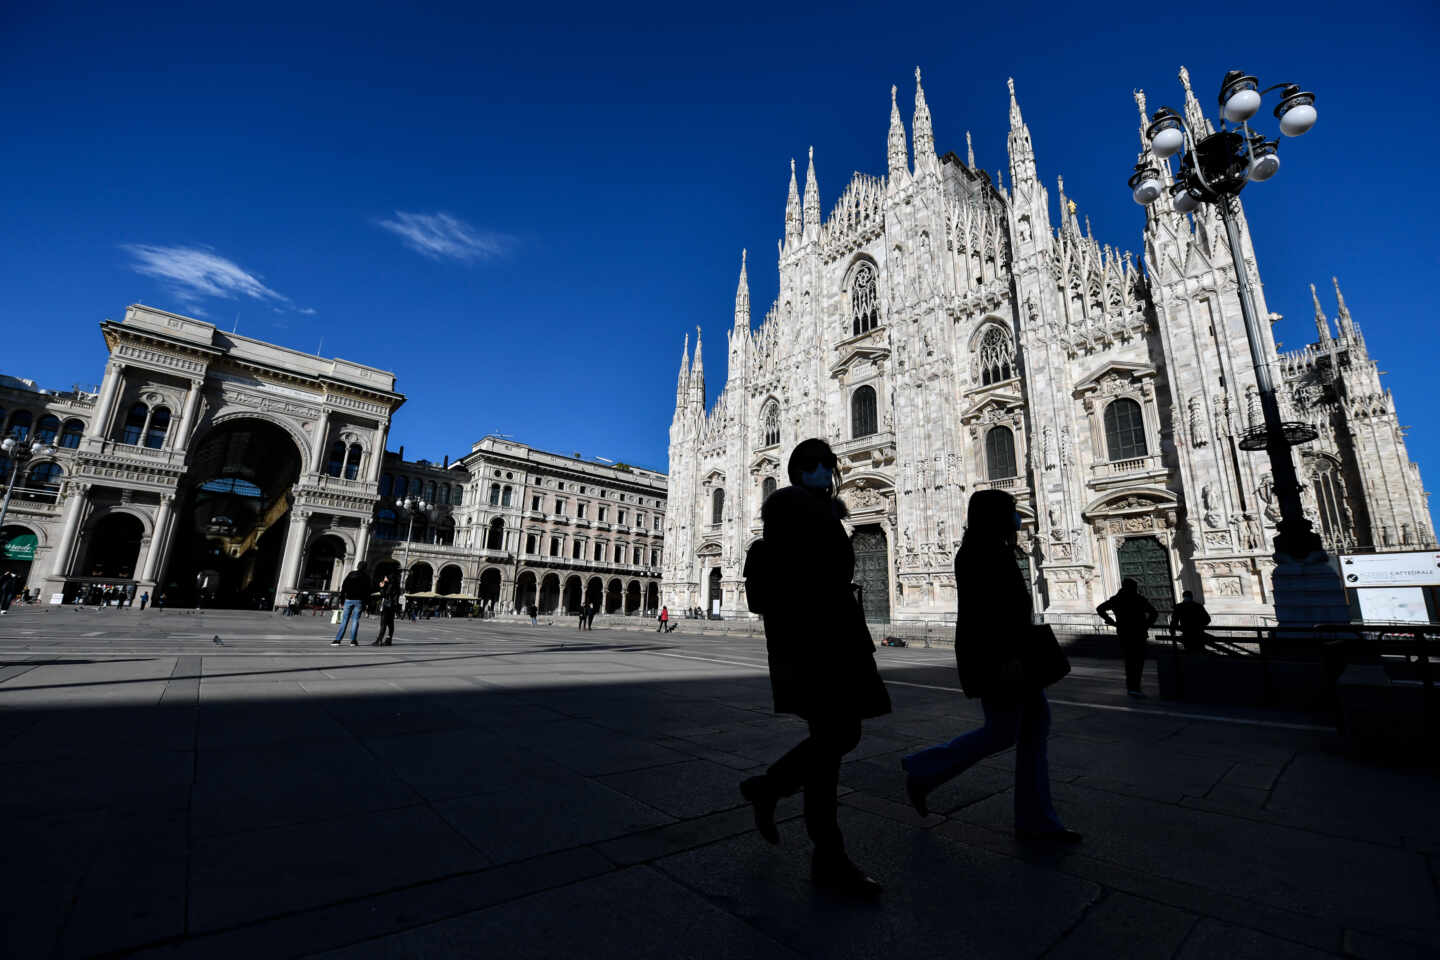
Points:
x=899, y=152
x=792, y=210
x=742, y=299
x=969, y=151
x=697, y=377
x=1321, y=323
x=1022, y=154
x=925, y=159
x=812, y=202
x=682, y=383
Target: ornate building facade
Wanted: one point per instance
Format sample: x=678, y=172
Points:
x=211, y=463
x=945, y=336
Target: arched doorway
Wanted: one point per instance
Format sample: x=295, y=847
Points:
x=421, y=579
x=652, y=598
x=872, y=571
x=490, y=586
x=595, y=592
x=524, y=591
x=1146, y=561
x=325, y=555
x=114, y=547
x=232, y=527
x=713, y=594
x=632, y=597
x=550, y=593
x=452, y=580
x=613, y=597
x=17, y=552
x=572, y=595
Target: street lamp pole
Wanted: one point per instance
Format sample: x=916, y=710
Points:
x=1214, y=168
x=19, y=453
x=411, y=506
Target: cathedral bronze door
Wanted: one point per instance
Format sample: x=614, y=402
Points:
x=1145, y=560
x=872, y=572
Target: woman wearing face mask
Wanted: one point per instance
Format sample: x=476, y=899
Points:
x=822, y=660
x=993, y=616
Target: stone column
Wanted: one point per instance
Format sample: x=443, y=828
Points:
x=181, y=438
x=362, y=540
x=75, y=505
x=322, y=442
x=105, y=406
x=158, y=537
x=294, y=545
x=377, y=454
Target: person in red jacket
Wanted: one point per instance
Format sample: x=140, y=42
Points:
x=664, y=619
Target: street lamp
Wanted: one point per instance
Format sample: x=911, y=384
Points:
x=412, y=506
x=1214, y=168
x=19, y=453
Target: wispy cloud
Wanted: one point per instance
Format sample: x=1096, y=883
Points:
x=441, y=236
x=193, y=274
x=308, y=311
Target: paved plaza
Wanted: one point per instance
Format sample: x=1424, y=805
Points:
x=496, y=789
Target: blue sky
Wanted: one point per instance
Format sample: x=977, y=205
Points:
x=523, y=213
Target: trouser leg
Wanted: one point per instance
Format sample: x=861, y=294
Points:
x=814, y=766
x=949, y=760
x=1033, y=807
x=1134, y=651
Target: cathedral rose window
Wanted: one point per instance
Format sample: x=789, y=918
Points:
x=864, y=302
x=997, y=356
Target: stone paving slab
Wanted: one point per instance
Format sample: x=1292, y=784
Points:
x=513, y=791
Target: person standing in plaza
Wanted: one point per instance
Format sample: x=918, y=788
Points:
x=1132, y=616
x=664, y=619
x=144, y=599
x=8, y=585
x=355, y=589
x=822, y=659
x=591, y=610
x=389, y=602
x=991, y=622
x=1190, y=618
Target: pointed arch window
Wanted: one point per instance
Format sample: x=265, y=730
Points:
x=158, y=427
x=717, y=506
x=864, y=301
x=864, y=418
x=770, y=423
x=1125, y=430
x=1000, y=453
x=997, y=355
x=1330, y=499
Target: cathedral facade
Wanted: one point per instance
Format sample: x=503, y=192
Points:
x=944, y=336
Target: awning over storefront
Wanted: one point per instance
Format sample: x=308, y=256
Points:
x=19, y=548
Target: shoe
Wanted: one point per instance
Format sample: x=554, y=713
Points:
x=756, y=790
x=386, y=644
x=844, y=878
x=1048, y=838
x=334, y=643
x=375, y=644
x=354, y=643
x=918, y=791
x=1138, y=695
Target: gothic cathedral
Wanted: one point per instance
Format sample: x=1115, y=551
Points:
x=945, y=337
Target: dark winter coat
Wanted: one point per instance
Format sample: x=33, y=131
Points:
x=390, y=595
x=356, y=585
x=993, y=613
x=822, y=660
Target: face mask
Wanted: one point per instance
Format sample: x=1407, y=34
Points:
x=817, y=479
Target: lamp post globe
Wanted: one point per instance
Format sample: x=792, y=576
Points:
x=1239, y=96
x=1296, y=112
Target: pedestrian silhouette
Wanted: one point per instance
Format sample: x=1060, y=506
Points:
x=822, y=660
x=356, y=590
x=1190, y=618
x=991, y=624
x=389, y=603
x=1132, y=616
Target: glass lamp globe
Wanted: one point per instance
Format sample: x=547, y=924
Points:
x=1167, y=142
x=1296, y=112
x=1264, y=164
x=1239, y=96
x=1185, y=202
x=1147, y=190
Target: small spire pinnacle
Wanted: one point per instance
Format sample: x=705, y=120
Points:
x=792, y=209
x=1194, y=113
x=1340, y=298
x=924, y=129
x=742, y=298
x=899, y=152
x=683, y=381
x=1015, y=118
x=1321, y=323
x=812, y=201
x=969, y=151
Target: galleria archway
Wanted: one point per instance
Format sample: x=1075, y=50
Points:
x=232, y=526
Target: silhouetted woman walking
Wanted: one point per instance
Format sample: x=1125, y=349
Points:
x=990, y=625
x=822, y=660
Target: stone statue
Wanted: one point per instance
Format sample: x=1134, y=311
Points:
x=1048, y=443
x=1198, y=436
x=1207, y=503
